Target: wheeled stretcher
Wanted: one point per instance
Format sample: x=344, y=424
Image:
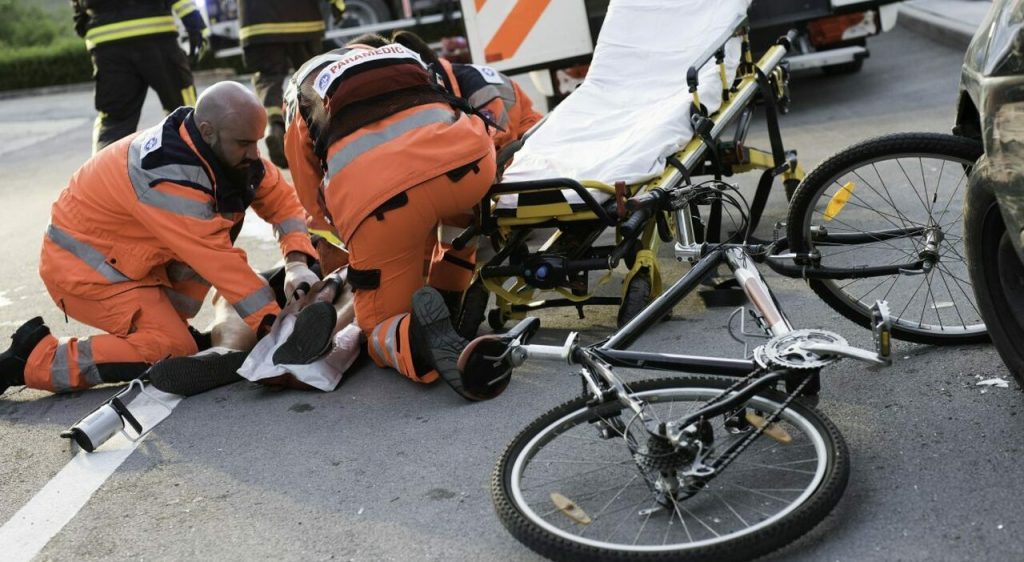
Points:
x=668, y=98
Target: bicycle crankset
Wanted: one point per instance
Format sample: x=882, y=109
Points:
x=811, y=349
x=792, y=350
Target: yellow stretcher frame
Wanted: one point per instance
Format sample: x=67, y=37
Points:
x=512, y=291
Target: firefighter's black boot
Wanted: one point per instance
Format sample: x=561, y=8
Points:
x=275, y=141
x=12, y=361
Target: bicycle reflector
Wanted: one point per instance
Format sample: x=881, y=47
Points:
x=838, y=201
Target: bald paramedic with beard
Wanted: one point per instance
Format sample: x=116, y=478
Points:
x=143, y=230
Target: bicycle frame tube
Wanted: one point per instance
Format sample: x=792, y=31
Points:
x=757, y=291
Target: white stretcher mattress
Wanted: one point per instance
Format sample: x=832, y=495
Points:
x=632, y=110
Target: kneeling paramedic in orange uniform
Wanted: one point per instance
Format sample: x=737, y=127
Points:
x=142, y=231
x=402, y=154
x=486, y=90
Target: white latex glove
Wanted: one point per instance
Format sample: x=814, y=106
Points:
x=297, y=279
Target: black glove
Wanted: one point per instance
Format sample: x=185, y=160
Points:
x=196, y=45
x=80, y=17
x=338, y=11
x=197, y=42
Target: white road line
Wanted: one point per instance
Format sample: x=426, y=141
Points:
x=38, y=521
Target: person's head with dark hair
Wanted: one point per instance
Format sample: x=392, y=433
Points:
x=371, y=40
x=414, y=43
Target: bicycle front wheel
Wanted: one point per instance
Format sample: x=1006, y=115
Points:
x=570, y=487
x=892, y=201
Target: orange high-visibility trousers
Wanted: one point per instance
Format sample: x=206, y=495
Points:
x=394, y=245
x=143, y=325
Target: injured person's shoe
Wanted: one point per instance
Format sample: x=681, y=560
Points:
x=12, y=361
x=196, y=374
x=310, y=338
x=475, y=370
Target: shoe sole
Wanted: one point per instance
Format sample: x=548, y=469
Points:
x=436, y=333
x=311, y=337
x=188, y=376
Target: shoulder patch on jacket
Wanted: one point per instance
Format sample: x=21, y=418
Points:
x=489, y=75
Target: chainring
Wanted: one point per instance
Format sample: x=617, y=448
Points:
x=787, y=351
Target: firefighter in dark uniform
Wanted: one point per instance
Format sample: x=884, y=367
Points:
x=277, y=37
x=134, y=46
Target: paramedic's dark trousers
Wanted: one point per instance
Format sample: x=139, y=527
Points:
x=272, y=63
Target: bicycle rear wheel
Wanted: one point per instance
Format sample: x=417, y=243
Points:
x=569, y=487
x=877, y=203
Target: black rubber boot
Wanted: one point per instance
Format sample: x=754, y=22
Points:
x=311, y=337
x=275, y=141
x=12, y=361
x=452, y=300
x=193, y=375
x=437, y=346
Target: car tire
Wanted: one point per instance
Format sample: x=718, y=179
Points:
x=996, y=272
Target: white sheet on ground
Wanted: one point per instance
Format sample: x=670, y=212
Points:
x=632, y=111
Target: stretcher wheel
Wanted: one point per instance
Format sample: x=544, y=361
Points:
x=474, y=308
x=496, y=320
x=637, y=297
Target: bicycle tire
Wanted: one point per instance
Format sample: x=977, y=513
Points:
x=961, y=325
x=522, y=522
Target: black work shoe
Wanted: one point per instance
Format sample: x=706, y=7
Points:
x=12, y=361
x=196, y=374
x=275, y=143
x=452, y=300
x=437, y=346
x=311, y=337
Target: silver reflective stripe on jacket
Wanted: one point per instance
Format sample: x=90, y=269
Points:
x=91, y=256
x=288, y=226
x=180, y=271
x=184, y=304
x=481, y=97
x=256, y=300
x=143, y=181
x=369, y=141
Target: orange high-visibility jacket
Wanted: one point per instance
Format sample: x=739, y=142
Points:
x=160, y=196
x=391, y=128
x=487, y=90
x=496, y=96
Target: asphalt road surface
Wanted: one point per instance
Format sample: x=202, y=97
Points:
x=384, y=469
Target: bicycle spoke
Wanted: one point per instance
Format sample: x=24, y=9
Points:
x=924, y=305
x=963, y=323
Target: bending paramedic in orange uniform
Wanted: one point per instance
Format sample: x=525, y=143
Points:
x=402, y=155
x=485, y=89
x=142, y=231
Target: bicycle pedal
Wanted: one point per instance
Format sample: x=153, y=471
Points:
x=881, y=329
x=773, y=430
